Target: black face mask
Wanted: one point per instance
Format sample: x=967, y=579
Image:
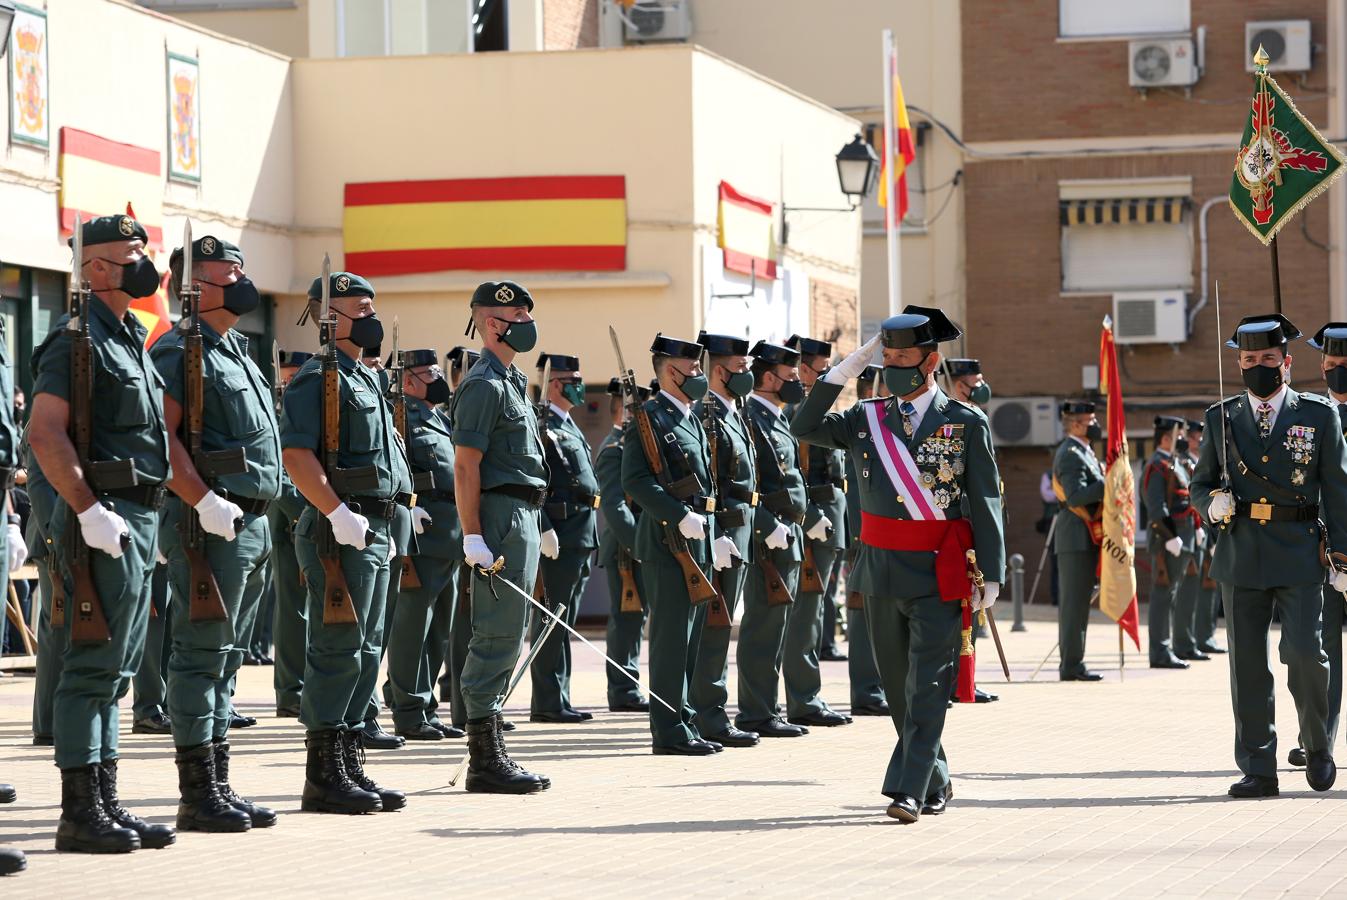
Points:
x=1337, y=379
x=1262, y=381
x=791, y=391
x=366, y=333
x=241, y=297
x=139, y=278
x=1093, y=432
x=437, y=391
x=1181, y=446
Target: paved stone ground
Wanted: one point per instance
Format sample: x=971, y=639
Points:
x=1098, y=790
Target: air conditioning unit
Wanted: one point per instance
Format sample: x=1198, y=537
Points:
x=1287, y=42
x=1162, y=62
x=651, y=21
x=1024, y=421
x=1150, y=317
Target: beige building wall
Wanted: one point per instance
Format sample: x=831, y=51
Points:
x=282, y=30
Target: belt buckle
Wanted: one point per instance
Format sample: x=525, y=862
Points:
x=710, y=504
x=753, y=498
x=594, y=504
x=1260, y=511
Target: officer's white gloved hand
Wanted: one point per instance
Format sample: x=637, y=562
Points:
x=476, y=553
x=1174, y=546
x=420, y=519
x=1340, y=582
x=392, y=550
x=851, y=368
x=18, y=550
x=550, y=545
x=693, y=527
x=1201, y=537
x=217, y=515
x=990, y=591
x=819, y=531
x=347, y=527
x=103, y=529
x=1222, y=506
x=779, y=539
x=723, y=553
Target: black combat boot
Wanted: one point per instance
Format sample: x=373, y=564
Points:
x=201, y=807
x=327, y=786
x=12, y=860
x=353, y=758
x=260, y=816
x=85, y=826
x=490, y=770
x=500, y=744
x=152, y=837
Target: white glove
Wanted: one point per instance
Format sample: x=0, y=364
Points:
x=103, y=529
x=723, y=553
x=392, y=550
x=217, y=515
x=851, y=368
x=476, y=553
x=1200, y=536
x=1174, y=546
x=819, y=531
x=1339, y=582
x=347, y=527
x=778, y=539
x=160, y=558
x=420, y=519
x=551, y=546
x=1222, y=506
x=693, y=527
x=18, y=550
x=990, y=591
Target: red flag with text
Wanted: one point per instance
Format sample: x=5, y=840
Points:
x=1117, y=554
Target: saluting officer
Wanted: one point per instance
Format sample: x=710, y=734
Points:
x=1205, y=601
x=1078, y=482
x=500, y=483
x=1281, y=466
x=569, y=535
x=127, y=426
x=292, y=621
x=1172, y=529
x=867, y=690
x=919, y=455
x=342, y=662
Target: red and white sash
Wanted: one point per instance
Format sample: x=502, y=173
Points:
x=901, y=468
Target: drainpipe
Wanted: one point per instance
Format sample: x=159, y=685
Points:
x=1202, y=240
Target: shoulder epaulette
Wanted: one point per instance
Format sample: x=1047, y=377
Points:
x=1227, y=401
x=1318, y=398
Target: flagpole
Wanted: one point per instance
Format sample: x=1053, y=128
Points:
x=891, y=225
x=1121, y=658
x=1276, y=277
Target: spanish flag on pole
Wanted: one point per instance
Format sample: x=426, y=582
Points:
x=898, y=152
x=1117, y=553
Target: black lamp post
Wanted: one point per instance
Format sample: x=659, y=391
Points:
x=857, y=169
x=6, y=20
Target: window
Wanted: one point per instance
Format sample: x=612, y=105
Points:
x=403, y=27
x=178, y=6
x=1111, y=19
x=1126, y=235
x=872, y=213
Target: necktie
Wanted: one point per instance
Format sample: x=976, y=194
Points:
x=1264, y=419
x=909, y=417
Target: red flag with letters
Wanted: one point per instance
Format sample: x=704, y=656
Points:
x=1117, y=553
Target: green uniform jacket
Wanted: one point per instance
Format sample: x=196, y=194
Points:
x=572, y=485
x=491, y=414
x=826, y=484
x=682, y=446
x=898, y=574
x=430, y=446
x=736, y=475
x=1304, y=458
x=619, y=519
x=1078, y=471
x=1166, y=514
x=9, y=433
x=782, y=497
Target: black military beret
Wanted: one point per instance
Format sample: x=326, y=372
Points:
x=110, y=230
x=957, y=367
x=293, y=358
x=1196, y=425
x=723, y=344
x=343, y=284
x=501, y=293
x=1331, y=339
x=775, y=354
x=809, y=346
x=667, y=346
x=870, y=376
x=1164, y=423
x=1076, y=407
x=654, y=386
x=560, y=362
x=209, y=249
x=413, y=359
x=615, y=390
x=918, y=326
x=461, y=357
x=1263, y=332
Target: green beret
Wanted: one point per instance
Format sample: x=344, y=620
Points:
x=343, y=284
x=209, y=249
x=501, y=293
x=110, y=230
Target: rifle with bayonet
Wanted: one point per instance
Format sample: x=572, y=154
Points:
x=277, y=388
x=810, y=581
x=718, y=613
x=206, y=604
x=397, y=388
x=699, y=588
x=778, y=593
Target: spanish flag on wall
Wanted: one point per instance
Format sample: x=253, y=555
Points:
x=745, y=227
x=98, y=175
x=897, y=154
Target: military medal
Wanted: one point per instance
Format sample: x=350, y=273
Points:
x=1297, y=477
x=946, y=473
x=928, y=480
x=942, y=498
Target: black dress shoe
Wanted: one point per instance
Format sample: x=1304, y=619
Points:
x=981, y=696
x=1254, y=786
x=43, y=740
x=155, y=723
x=1193, y=656
x=506, y=724
x=712, y=744
x=1320, y=770
x=287, y=712
x=774, y=728
x=264, y=660
x=250, y=660
x=449, y=731
x=936, y=803
x=733, y=737
x=904, y=809
x=1172, y=662
x=12, y=860
x=832, y=654
x=378, y=739
x=238, y=720
x=1297, y=757
x=1085, y=675
x=8, y=794
x=635, y=706
x=584, y=716
x=687, y=748
x=1211, y=648
x=871, y=709
x=560, y=717
x=824, y=718
x=421, y=731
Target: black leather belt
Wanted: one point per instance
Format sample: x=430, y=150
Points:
x=380, y=507
x=566, y=509
x=730, y=518
x=782, y=506
x=533, y=496
x=823, y=493
x=250, y=505
x=442, y=496
x=148, y=495
x=1271, y=512
x=742, y=494
x=701, y=504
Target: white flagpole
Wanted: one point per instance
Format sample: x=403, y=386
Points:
x=891, y=225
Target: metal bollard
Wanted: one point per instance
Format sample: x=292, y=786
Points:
x=1017, y=591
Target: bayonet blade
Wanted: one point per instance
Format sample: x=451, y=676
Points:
x=617, y=348
x=327, y=287
x=187, y=255
x=543, y=385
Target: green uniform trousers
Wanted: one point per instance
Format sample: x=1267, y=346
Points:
x=291, y=626
x=1333, y=619
x=1185, y=606
x=456, y=654
x=912, y=638
x=51, y=648
x=148, y=688
x=624, y=639
x=709, y=692
x=95, y=676
x=206, y=655
x=258, y=618
x=1164, y=606
x=1076, y=577
x=866, y=687
x=1247, y=621
x=499, y=616
x=675, y=636
x=799, y=648
x=1206, y=603
x=381, y=639
x=762, y=633
x=410, y=684
x=443, y=620
x=564, y=580
x=341, y=667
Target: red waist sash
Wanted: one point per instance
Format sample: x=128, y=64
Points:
x=949, y=539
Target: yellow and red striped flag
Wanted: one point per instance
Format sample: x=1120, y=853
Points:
x=897, y=153
x=98, y=175
x=745, y=226
x=1117, y=553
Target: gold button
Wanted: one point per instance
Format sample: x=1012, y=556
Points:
x=1262, y=499
x=1265, y=459
x=1262, y=521
x=899, y=499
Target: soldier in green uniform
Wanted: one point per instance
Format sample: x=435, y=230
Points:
x=1205, y=601
x=118, y=524
x=149, y=697
x=867, y=689
x=51, y=642
x=617, y=544
x=731, y=380
x=824, y=473
x=1171, y=539
x=448, y=646
x=1187, y=617
x=1078, y=481
x=1281, y=467
x=342, y=660
x=292, y=622
x=500, y=483
x=918, y=454
x=569, y=535
x=13, y=549
x=238, y=415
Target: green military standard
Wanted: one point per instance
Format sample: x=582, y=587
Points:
x=1172, y=526
x=1203, y=598
x=290, y=631
x=774, y=576
x=500, y=482
x=867, y=689
x=1278, y=468
x=627, y=606
x=731, y=380
x=569, y=536
x=1078, y=482
x=236, y=416
x=430, y=450
x=824, y=472
x=918, y=454
x=113, y=514
x=352, y=499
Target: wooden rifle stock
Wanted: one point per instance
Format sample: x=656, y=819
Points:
x=626, y=572
x=810, y=580
x=57, y=593
x=718, y=611
x=464, y=589
x=855, y=600
x=89, y=626
x=409, y=580
x=338, y=607
x=778, y=594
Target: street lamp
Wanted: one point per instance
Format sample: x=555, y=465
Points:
x=6, y=20
x=857, y=169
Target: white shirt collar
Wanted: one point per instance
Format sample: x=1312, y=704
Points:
x=921, y=404
x=561, y=413
x=776, y=411
x=1276, y=400
x=679, y=405
x=1084, y=443
x=724, y=401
